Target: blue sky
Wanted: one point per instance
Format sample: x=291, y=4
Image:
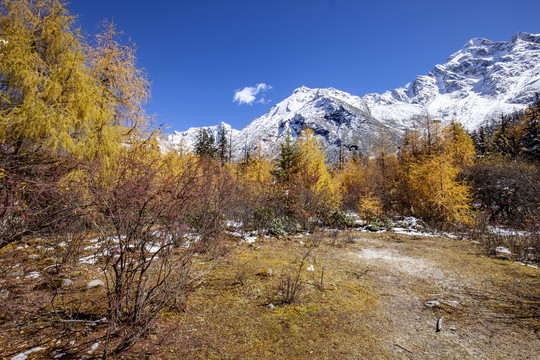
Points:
x=197, y=54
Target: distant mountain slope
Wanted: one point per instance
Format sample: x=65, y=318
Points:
x=481, y=81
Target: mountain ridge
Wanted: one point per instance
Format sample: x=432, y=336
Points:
x=483, y=80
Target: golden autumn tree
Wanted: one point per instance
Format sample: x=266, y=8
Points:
x=352, y=181
x=63, y=102
x=257, y=171
x=429, y=182
x=458, y=144
x=436, y=192
x=255, y=189
x=303, y=189
x=48, y=114
x=320, y=191
x=49, y=96
x=254, y=178
x=124, y=87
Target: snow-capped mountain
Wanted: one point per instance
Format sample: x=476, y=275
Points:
x=479, y=82
x=482, y=81
x=337, y=118
x=187, y=139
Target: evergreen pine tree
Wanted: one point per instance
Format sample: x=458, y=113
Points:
x=288, y=162
x=531, y=138
x=204, y=148
x=222, y=146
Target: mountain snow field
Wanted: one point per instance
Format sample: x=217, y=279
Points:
x=480, y=82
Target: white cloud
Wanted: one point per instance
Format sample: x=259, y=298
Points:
x=248, y=95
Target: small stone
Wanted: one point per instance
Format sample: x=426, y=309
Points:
x=66, y=283
x=4, y=294
x=438, y=327
x=16, y=274
x=432, y=303
x=33, y=257
x=94, y=283
x=451, y=303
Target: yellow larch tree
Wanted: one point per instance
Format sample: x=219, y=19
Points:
x=429, y=184
x=49, y=98
x=257, y=169
x=435, y=191
x=314, y=173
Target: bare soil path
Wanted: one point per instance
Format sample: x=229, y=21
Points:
x=485, y=308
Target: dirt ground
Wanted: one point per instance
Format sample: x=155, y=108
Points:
x=486, y=308
x=363, y=296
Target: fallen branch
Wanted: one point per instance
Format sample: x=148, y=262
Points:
x=407, y=351
x=403, y=348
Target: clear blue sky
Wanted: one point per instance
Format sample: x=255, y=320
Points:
x=198, y=53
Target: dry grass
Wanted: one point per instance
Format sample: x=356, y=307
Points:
x=370, y=304
x=234, y=314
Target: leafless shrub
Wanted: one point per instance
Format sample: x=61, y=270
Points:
x=342, y=238
x=349, y=236
x=314, y=240
x=290, y=286
x=335, y=239
x=32, y=201
x=522, y=245
x=240, y=276
x=151, y=223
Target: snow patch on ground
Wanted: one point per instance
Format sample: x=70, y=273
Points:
x=530, y=265
x=503, y=250
x=25, y=354
x=234, y=224
x=92, y=259
x=250, y=239
x=507, y=232
x=33, y=275
x=413, y=232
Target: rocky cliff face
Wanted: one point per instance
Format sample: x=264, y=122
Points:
x=482, y=81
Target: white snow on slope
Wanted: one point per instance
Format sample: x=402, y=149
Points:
x=482, y=81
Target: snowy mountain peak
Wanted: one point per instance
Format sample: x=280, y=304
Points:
x=302, y=89
x=527, y=37
x=478, y=42
x=481, y=81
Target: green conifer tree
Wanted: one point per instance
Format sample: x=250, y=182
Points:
x=288, y=162
x=204, y=148
x=222, y=146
